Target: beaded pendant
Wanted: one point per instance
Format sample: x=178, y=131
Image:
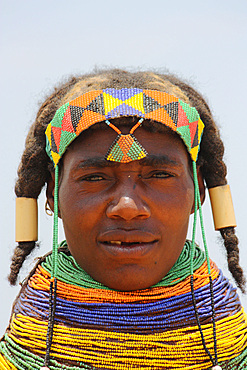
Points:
x=125, y=148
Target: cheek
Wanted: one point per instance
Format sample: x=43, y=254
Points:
x=177, y=201
x=185, y=199
x=80, y=213
x=186, y=202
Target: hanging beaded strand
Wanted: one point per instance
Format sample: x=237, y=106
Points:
x=198, y=205
x=53, y=282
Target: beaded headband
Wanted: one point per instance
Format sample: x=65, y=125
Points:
x=97, y=106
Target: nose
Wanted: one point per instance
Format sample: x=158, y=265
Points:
x=128, y=207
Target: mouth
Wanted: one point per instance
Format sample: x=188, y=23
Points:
x=118, y=243
x=127, y=243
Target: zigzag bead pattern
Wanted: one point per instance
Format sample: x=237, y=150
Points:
x=98, y=106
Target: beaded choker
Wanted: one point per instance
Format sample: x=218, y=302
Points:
x=93, y=107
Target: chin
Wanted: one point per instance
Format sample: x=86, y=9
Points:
x=130, y=279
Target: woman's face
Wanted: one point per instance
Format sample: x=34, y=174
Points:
x=125, y=224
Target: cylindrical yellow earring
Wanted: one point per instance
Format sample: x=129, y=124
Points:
x=26, y=222
x=222, y=207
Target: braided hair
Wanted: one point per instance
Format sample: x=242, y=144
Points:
x=34, y=169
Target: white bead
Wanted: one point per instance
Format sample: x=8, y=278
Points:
x=44, y=368
x=217, y=367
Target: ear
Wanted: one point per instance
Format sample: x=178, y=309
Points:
x=201, y=185
x=50, y=192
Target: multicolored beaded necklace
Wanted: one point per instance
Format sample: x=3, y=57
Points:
x=99, y=328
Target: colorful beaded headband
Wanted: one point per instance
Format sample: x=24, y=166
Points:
x=97, y=106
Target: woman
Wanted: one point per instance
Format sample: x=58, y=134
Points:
x=125, y=157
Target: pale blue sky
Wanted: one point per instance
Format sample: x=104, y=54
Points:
x=43, y=41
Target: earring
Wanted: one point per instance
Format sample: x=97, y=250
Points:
x=48, y=210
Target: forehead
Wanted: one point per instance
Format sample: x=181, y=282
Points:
x=156, y=139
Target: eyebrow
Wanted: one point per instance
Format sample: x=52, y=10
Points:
x=151, y=160
x=96, y=162
x=154, y=160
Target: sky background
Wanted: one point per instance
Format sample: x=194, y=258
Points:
x=42, y=42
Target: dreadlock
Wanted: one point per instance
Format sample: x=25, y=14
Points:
x=35, y=166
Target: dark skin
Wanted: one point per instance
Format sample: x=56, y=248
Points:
x=126, y=224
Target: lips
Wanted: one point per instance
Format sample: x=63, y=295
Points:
x=123, y=244
x=131, y=243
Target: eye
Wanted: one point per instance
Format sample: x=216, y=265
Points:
x=93, y=178
x=161, y=175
